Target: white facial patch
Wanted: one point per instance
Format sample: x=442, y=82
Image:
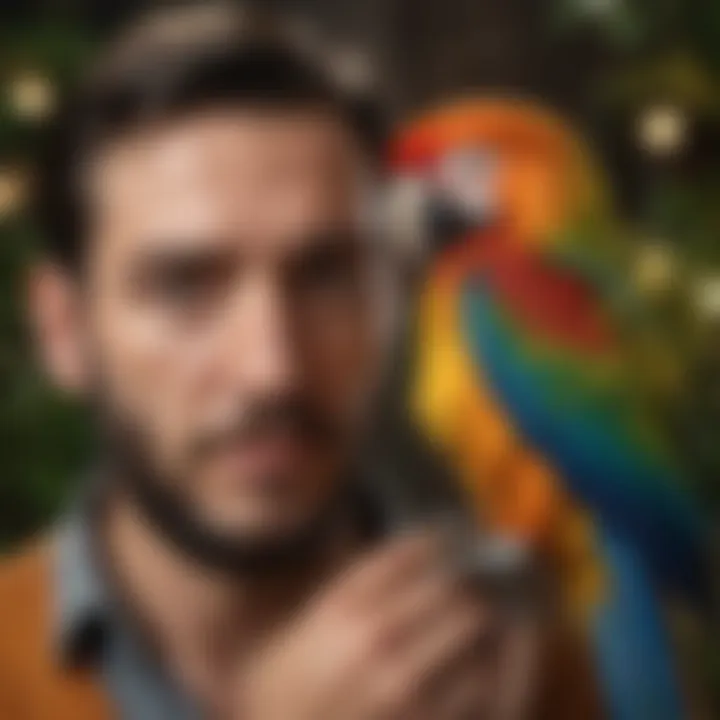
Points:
x=404, y=215
x=468, y=177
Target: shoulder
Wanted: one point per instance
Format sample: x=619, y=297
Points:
x=33, y=684
x=24, y=579
x=24, y=604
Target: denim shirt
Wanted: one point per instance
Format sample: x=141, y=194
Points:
x=92, y=629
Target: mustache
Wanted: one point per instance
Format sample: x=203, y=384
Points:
x=293, y=414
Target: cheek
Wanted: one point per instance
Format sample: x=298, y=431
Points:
x=150, y=374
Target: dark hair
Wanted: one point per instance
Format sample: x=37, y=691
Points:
x=171, y=64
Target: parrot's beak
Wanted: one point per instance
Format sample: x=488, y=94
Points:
x=448, y=223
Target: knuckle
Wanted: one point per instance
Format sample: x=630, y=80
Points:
x=374, y=638
x=472, y=611
x=364, y=638
x=391, y=693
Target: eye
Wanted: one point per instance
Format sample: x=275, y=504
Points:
x=331, y=267
x=329, y=271
x=468, y=166
x=186, y=285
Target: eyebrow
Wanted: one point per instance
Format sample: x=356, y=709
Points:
x=209, y=257
x=331, y=239
x=340, y=243
x=202, y=260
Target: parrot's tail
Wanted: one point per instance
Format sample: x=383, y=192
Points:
x=633, y=650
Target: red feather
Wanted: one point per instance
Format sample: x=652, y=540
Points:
x=546, y=299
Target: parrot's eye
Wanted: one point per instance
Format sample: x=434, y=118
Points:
x=467, y=165
x=468, y=177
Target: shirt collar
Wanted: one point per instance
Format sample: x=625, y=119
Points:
x=85, y=613
x=82, y=602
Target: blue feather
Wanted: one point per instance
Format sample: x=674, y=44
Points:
x=650, y=535
x=632, y=649
x=623, y=487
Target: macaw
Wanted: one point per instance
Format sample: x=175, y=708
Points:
x=521, y=377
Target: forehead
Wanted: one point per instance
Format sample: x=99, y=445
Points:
x=229, y=174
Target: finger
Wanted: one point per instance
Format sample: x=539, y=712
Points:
x=422, y=608
x=465, y=694
x=446, y=640
x=517, y=669
x=389, y=568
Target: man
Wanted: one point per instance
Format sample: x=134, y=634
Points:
x=213, y=286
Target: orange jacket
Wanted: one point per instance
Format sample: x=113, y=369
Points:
x=33, y=685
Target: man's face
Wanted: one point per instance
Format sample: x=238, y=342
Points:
x=231, y=313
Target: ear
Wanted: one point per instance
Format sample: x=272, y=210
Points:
x=56, y=314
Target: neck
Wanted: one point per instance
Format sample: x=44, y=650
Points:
x=203, y=623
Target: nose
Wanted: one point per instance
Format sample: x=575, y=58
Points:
x=262, y=354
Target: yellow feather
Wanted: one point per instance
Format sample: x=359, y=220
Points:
x=511, y=487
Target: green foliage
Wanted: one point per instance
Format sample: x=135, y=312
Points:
x=43, y=439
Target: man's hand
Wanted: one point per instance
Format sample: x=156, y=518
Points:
x=397, y=636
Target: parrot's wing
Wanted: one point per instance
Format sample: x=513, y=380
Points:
x=544, y=341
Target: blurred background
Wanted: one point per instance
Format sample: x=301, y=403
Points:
x=640, y=79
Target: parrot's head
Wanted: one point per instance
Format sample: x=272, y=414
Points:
x=477, y=165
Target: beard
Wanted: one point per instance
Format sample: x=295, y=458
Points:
x=173, y=515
